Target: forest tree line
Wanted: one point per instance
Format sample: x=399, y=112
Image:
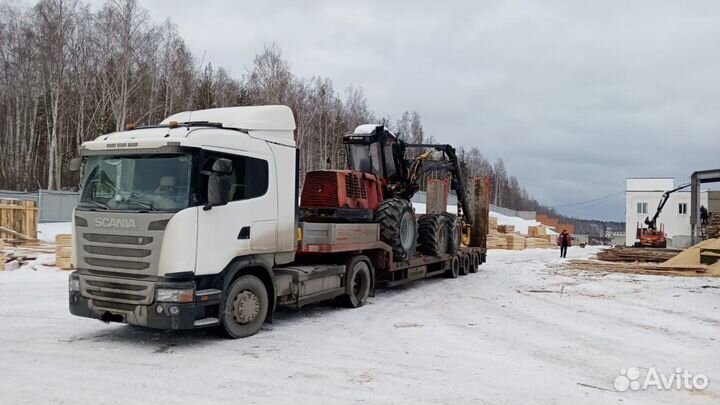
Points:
x=69, y=74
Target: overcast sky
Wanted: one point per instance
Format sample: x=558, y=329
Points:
x=574, y=95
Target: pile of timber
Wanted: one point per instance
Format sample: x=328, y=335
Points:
x=18, y=222
x=63, y=250
x=538, y=238
x=712, y=229
x=16, y=256
x=506, y=228
x=643, y=268
x=629, y=254
x=495, y=240
x=515, y=241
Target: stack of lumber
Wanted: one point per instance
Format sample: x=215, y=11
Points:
x=492, y=225
x=515, y=241
x=688, y=263
x=19, y=255
x=709, y=256
x=63, y=251
x=712, y=229
x=644, y=268
x=506, y=228
x=18, y=222
x=537, y=231
x=495, y=240
x=538, y=243
x=628, y=254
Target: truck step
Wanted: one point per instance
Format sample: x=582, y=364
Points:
x=206, y=322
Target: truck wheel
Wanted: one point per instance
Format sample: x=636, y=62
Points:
x=358, y=282
x=246, y=305
x=475, y=260
x=454, y=232
x=454, y=269
x=433, y=235
x=464, y=265
x=398, y=227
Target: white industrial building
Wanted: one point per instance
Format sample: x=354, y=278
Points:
x=642, y=196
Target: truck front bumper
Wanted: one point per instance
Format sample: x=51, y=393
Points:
x=202, y=312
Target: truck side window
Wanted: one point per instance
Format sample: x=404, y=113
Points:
x=249, y=178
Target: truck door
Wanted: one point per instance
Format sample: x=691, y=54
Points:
x=248, y=223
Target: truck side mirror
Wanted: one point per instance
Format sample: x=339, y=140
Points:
x=74, y=165
x=218, y=190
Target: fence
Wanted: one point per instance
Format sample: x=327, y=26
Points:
x=54, y=206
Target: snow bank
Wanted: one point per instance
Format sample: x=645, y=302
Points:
x=47, y=231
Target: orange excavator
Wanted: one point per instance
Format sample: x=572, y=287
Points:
x=651, y=236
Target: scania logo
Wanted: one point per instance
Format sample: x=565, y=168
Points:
x=105, y=222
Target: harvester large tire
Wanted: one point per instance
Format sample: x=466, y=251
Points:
x=398, y=227
x=433, y=235
x=454, y=232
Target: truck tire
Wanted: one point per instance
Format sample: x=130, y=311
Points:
x=454, y=269
x=433, y=235
x=398, y=227
x=358, y=282
x=464, y=264
x=475, y=259
x=245, y=307
x=454, y=232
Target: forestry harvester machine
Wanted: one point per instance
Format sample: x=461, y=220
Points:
x=377, y=188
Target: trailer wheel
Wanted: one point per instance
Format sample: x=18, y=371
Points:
x=246, y=305
x=454, y=232
x=358, y=282
x=475, y=259
x=398, y=227
x=433, y=235
x=454, y=269
x=464, y=265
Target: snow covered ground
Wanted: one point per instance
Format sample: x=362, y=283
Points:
x=517, y=332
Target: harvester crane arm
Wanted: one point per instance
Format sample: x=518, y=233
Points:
x=652, y=223
x=455, y=170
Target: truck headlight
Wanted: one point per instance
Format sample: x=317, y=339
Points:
x=173, y=295
x=73, y=284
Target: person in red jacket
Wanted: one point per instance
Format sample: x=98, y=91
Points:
x=564, y=240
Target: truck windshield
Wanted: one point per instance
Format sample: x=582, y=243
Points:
x=137, y=182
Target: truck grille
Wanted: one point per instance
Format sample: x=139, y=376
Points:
x=116, y=290
x=126, y=253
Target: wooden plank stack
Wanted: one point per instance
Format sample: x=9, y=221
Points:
x=629, y=254
x=495, y=240
x=18, y=222
x=515, y=241
x=712, y=229
x=63, y=251
x=506, y=228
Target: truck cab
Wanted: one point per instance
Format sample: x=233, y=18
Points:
x=165, y=210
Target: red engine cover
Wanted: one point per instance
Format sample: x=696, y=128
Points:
x=340, y=189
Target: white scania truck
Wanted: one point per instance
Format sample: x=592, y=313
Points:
x=195, y=222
